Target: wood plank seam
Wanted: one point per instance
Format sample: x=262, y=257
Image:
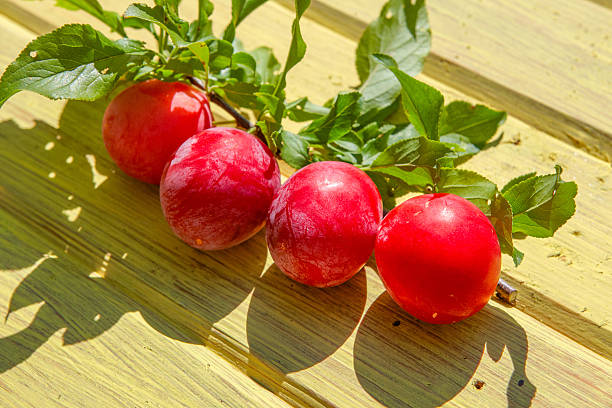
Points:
x=570, y=130
x=223, y=345
x=603, y=3
x=578, y=328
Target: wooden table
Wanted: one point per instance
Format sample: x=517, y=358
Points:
x=102, y=306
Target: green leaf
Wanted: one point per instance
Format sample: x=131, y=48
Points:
x=412, y=12
x=73, y=62
x=294, y=150
x=460, y=146
x=350, y=142
x=200, y=50
x=180, y=66
x=543, y=221
x=500, y=216
x=272, y=105
x=338, y=121
x=477, y=123
x=241, y=94
x=541, y=204
x=302, y=110
x=246, y=8
x=221, y=52
x=157, y=16
x=532, y=192
x=201, y=28
x=386, y=189
x=421, y=101
x=271, y=131
x=412, y=176
x=245, y=63
x=297, y=49
x=267, y=66
x=484, y=194
x=169, y=4
x=517, y=180
x=378, y=138
x=145, y=71
x=93, y=7
x=517, y=257
x=401, y=31
x=416, y=151
x=240, y=10
x=469, y=185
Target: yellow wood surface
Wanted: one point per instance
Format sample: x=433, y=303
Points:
x=233, y=309
x=549, y=63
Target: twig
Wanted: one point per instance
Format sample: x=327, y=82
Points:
x=241, y=121
x=506, y=292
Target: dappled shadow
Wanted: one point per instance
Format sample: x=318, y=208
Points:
x=84, y=306
x=60, y=192
x=292, y=326
x=403, y=362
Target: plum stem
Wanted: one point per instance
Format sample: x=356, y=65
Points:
x=241, y=121
x=506, y=292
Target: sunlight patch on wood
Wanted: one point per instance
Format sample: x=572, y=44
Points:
x=72, y=214
x=31, y=268
x=98, y=178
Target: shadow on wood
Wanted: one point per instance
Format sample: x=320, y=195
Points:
x=403, y=362
x=59, y=191
x=292, y=326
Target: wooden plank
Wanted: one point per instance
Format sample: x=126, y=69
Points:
x=304, y=344
x=282, y=324
x=541, y=61
x=85, y=345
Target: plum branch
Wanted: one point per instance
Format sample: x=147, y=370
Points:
x=241, y=121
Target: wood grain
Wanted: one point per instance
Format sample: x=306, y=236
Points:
x=308, y=346
x=540, y=60
x=88, y=345
x=567, y=278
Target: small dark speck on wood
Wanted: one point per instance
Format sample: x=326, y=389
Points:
x=396, y=323
x=478, y=384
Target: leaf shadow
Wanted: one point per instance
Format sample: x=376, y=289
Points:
x=403, y=362
x=118, y=233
